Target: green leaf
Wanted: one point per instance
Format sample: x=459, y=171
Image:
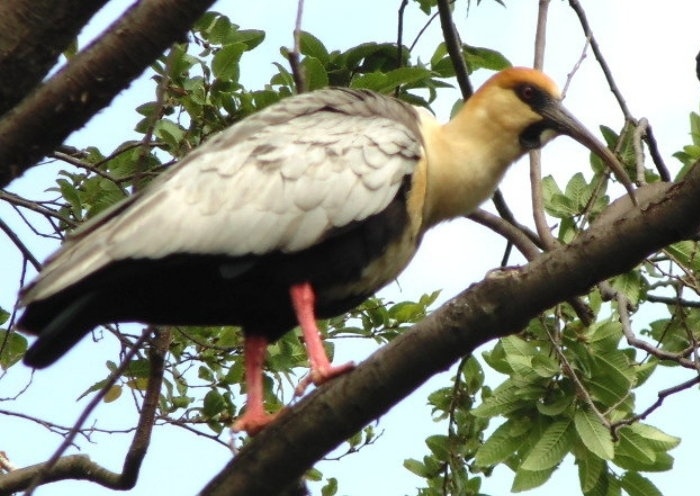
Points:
x=472, y=375
x=14, y=347
x=213, y=403
x=556, y=203
x=416, y=467
x=331, y=487
x=577, y=190
x=225, y=64
x=95, y=387
x=484, y=58
x=170, y=132
x=604, y=336
x=315, y=74
x=526, y=479
x=251, y=37
x=663, y=462
x=504, y=400
x=658, y=439
x=229, y=337
x=590, y=469
x=594, y=435
x=113, y=394
x=4, y=315
x=686, y=253
x=632, y=445
x=637, y=485
x=311, y=46
x=438, y=444
x=631, y=284
x=551, y=448
x=555, y=403
x=499, y=446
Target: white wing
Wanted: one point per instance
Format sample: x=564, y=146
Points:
x=280, y=180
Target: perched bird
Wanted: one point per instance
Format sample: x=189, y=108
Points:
x=302, y=210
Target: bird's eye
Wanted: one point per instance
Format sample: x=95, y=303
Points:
x=527, y=92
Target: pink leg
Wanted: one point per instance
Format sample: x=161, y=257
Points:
x=321, y=369
x=254, y=419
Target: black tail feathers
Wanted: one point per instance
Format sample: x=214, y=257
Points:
x=59, y=329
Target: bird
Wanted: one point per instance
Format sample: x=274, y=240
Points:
x=298, y=212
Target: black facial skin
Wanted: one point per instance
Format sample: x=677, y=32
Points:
x=538, y=100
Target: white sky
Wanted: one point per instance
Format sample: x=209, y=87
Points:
x=651, y=51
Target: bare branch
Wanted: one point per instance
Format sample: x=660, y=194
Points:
x=30, y=46
x=656, y=155
x=293, y=55
x=541, y=34
x=661, y=396
x=639, y=132
x=583, y=20
x=454, y=48
x=26, y=253
x=574, y=70
x=632, y=340
x=506, y=229
x=672, y=301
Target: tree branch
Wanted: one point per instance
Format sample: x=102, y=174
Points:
x=454, y=48
x=495, y=307
x=91, y=80
x=30, y=46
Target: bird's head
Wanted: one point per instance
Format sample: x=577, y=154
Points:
x=527, y=103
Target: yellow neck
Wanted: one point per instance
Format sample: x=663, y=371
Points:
x=466, y=158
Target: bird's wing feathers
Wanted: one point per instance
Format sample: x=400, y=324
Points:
x=280, y=180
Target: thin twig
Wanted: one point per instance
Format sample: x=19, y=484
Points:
x=672, y=301
x=661, y=396
x=574, y=70
x=637, y=136
x=509, y=231
x=535, y=155
x=20, y=246
x=399, y=34
x=656, y=155
x=541, y=34
x=293, y=55
x=454, y=48
x=583, y=20
x=632, y=340
x=422, y=31
x=578, y=385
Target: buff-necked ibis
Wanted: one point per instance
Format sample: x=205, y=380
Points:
x=300, y=211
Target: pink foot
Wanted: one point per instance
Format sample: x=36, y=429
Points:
x=321, y=369
x=255, y=418
x=320, y=375
x=253, y=422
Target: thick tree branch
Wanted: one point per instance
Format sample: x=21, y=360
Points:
x=30, y=44
x=495, y=307
x=91, y=80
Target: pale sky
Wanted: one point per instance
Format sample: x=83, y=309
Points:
x=650, y=50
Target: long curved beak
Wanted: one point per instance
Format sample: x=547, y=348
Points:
x=565, y=123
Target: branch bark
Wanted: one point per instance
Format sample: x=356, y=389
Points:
x=495, y=307
x=30, y=44
x=91, y=80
